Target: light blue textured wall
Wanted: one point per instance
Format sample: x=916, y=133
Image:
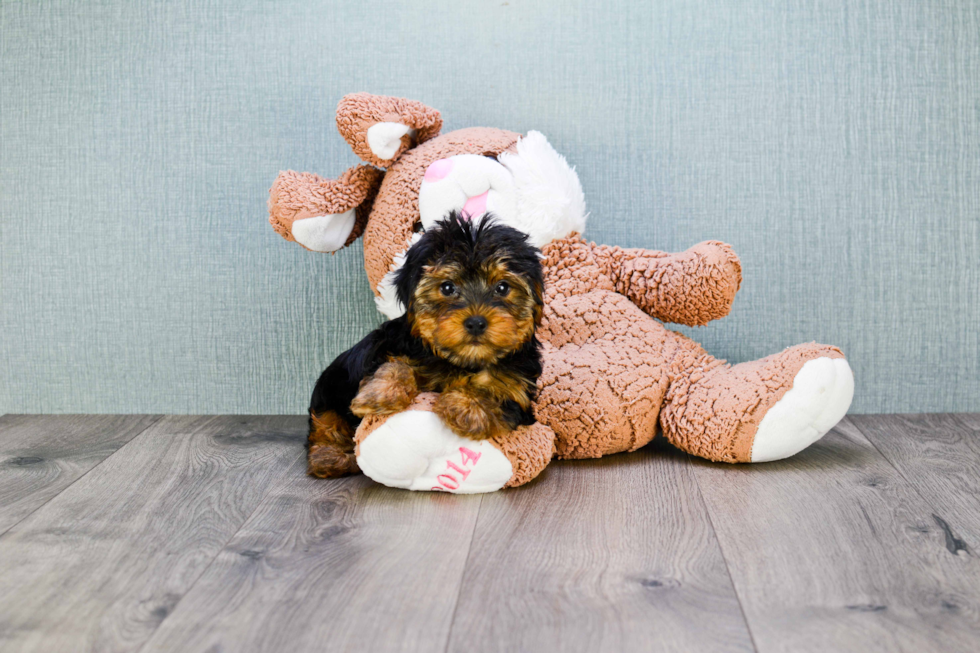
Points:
x=835, y=144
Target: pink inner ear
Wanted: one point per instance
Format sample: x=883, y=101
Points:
x=476, y=205
x=438, y=170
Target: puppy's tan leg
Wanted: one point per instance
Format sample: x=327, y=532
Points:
x=331, y=446
x=470, y=415
x=389, y=390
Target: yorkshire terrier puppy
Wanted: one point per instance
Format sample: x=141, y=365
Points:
x=473, y=298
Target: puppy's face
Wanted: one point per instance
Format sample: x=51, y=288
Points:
x=475, y=296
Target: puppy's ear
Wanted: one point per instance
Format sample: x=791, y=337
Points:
x=537, y=292
x=525, y=261
x=379, y=128
x=411, y=271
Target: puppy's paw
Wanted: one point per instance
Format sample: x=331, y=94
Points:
x=331, y=446
x=325, y=461
x=380, y=399
x=468, y=416
x=389, y=390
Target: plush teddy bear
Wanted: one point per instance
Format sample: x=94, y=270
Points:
x=613, y=373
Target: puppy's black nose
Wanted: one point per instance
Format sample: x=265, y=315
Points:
x=475, y=324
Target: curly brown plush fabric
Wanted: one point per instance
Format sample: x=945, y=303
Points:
x=691, y=288
x=298, y=195
x=529, y=450
x=609, y=366
x=715, y=413
x=357, y=112
x=604, y=372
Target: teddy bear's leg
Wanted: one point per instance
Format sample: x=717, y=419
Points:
x=529, y=450
x=757, y=411
x=320, y=214
x=605, y=374
x=601, y=397
x=414, y=450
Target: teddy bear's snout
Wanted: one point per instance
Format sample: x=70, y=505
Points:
x=471, y=184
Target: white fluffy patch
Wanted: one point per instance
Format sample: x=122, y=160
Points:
x=324, y=233
x=387, y=300
x=821, y=394
x=414, y=450
x=471, y=175
x=549, y=197
x=384, y=138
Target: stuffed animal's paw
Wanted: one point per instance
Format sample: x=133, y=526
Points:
x=820, y=396
x=414, y=450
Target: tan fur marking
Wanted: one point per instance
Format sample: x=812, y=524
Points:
x=435, y=320
x=389, y=390
x=331, y=443
x=470, y=415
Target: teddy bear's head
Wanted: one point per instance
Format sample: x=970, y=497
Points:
x=520, y=179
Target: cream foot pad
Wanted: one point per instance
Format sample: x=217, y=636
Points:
x=414, y=450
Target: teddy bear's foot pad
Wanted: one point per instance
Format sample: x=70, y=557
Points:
x=820, y=396
x=324, y=233
x=414, y=450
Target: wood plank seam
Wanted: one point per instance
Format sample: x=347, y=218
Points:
x=838, y=550
x=340, y=538
x=953, y=543
x=237, y=460
x=966, y=421
x=614, y=554
x=724, y=556
x=224, y=546
x=154, y=419
x=459, y=587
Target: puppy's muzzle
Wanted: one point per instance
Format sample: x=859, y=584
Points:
x=475, y=325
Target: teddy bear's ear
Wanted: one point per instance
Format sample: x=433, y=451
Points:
x=379, y=128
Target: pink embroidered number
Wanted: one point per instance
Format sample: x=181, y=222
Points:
x=469, y=455
x=447, y=481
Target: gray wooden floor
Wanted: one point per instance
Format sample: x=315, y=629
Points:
x=150, y=533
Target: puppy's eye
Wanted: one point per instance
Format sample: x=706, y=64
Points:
x=447, y=288
x=502, y=288
x=417, y=227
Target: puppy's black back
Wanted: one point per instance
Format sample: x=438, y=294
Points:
x=338, y=384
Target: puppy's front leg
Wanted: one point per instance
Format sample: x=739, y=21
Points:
x=389, y=390
x=470, y=414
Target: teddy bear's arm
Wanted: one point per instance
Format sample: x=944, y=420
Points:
x=691, y=287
